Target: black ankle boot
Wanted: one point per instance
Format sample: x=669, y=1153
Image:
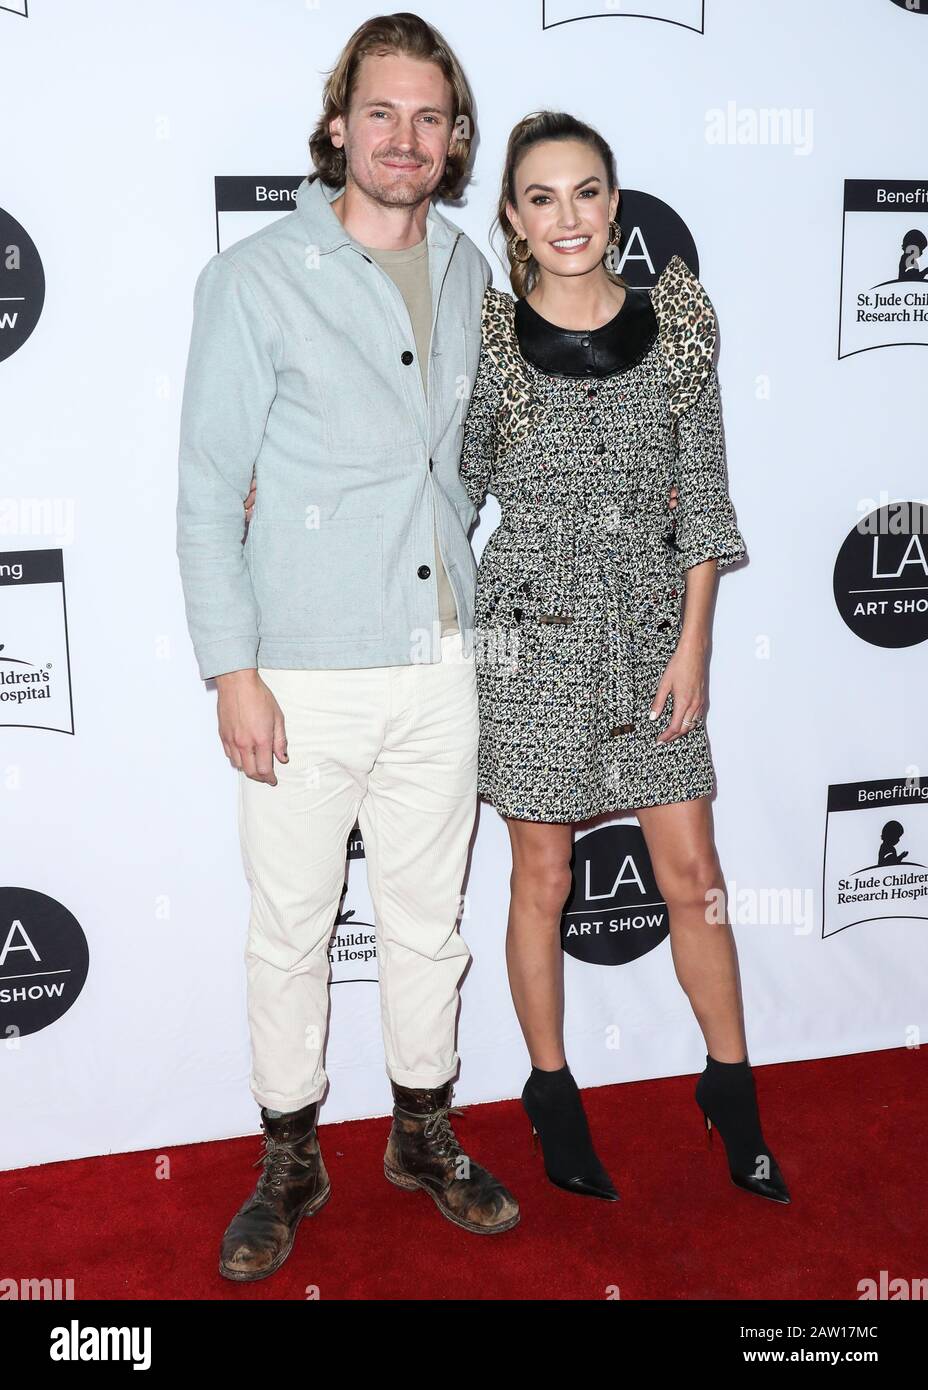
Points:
x=726, y=1095
x=552, y=1103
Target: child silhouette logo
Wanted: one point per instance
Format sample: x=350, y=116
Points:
x=892, y=834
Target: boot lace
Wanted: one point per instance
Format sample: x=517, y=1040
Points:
x=274, y=1158
x=438, y=1127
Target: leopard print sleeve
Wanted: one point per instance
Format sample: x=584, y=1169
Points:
x=481, y=420
x=705, y=519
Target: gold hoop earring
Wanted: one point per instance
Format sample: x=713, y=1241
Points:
x=513, y=243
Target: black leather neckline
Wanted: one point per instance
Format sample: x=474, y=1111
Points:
x=615, y=347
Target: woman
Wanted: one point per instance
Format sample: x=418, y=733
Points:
x=591, y=398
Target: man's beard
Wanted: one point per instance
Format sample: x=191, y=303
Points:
x=404, y=191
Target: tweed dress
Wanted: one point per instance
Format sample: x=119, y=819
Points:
x=580, y=587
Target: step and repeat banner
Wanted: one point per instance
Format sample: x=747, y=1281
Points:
x=769, y=142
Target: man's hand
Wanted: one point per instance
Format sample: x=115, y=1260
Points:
x=251, y=725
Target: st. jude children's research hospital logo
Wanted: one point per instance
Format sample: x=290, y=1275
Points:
x=876, y=853
x=884, y=266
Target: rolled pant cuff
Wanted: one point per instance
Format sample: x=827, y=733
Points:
x=421, y=1081
x=271, y=1101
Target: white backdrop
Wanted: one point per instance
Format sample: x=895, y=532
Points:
x=745, y=122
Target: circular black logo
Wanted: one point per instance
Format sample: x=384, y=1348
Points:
x=651, y=233
x=615, y=913
x=22, y=285
x=43, y=961
x=881, y=576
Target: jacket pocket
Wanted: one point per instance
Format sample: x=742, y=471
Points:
x=320, y=584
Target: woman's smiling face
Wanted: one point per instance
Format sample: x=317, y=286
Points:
x=563, y=205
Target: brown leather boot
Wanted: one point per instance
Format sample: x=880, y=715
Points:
x=423, y=1151
x=294, y=1184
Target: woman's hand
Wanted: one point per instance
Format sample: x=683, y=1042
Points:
x=672, y=499
x=685, y=679
x=250, y=501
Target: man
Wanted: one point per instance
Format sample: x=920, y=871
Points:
x=328, y=354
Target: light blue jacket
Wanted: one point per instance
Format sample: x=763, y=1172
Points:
x=302, y=366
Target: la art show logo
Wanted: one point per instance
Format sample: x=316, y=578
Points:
x=690, y=14
x=876, y=853
x=652, y=232
x=22, y=285
x=43, y=962
x=881, y=576
x=35, y=673
x=615, y=913
x=20, y=7
x=884, y=265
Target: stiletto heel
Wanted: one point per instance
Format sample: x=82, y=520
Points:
x=727, y=1090
x=555, y=1110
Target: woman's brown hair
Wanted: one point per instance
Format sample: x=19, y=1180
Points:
x=531, y=130
x=393, y=33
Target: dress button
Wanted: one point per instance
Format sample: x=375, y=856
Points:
x=600, y=448
x=431, y=464
x=584, y=342
x=406, y=358
x=423, y=571
x=591, y=392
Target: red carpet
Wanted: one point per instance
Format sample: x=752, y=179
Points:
x=848, y=1133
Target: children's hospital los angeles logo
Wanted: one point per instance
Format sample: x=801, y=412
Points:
x=690, y=14
x=884, y=266
x=876, y=853
x=35, y=684
x=353, y=944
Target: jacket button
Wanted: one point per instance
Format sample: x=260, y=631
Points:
x=591, y=392
x=406, y=358
x=600, y=448
x=423, y=571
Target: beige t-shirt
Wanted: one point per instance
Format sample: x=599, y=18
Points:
x=409, y=271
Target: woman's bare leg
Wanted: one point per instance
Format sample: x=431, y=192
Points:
x=540, y=886
x=681, y=844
